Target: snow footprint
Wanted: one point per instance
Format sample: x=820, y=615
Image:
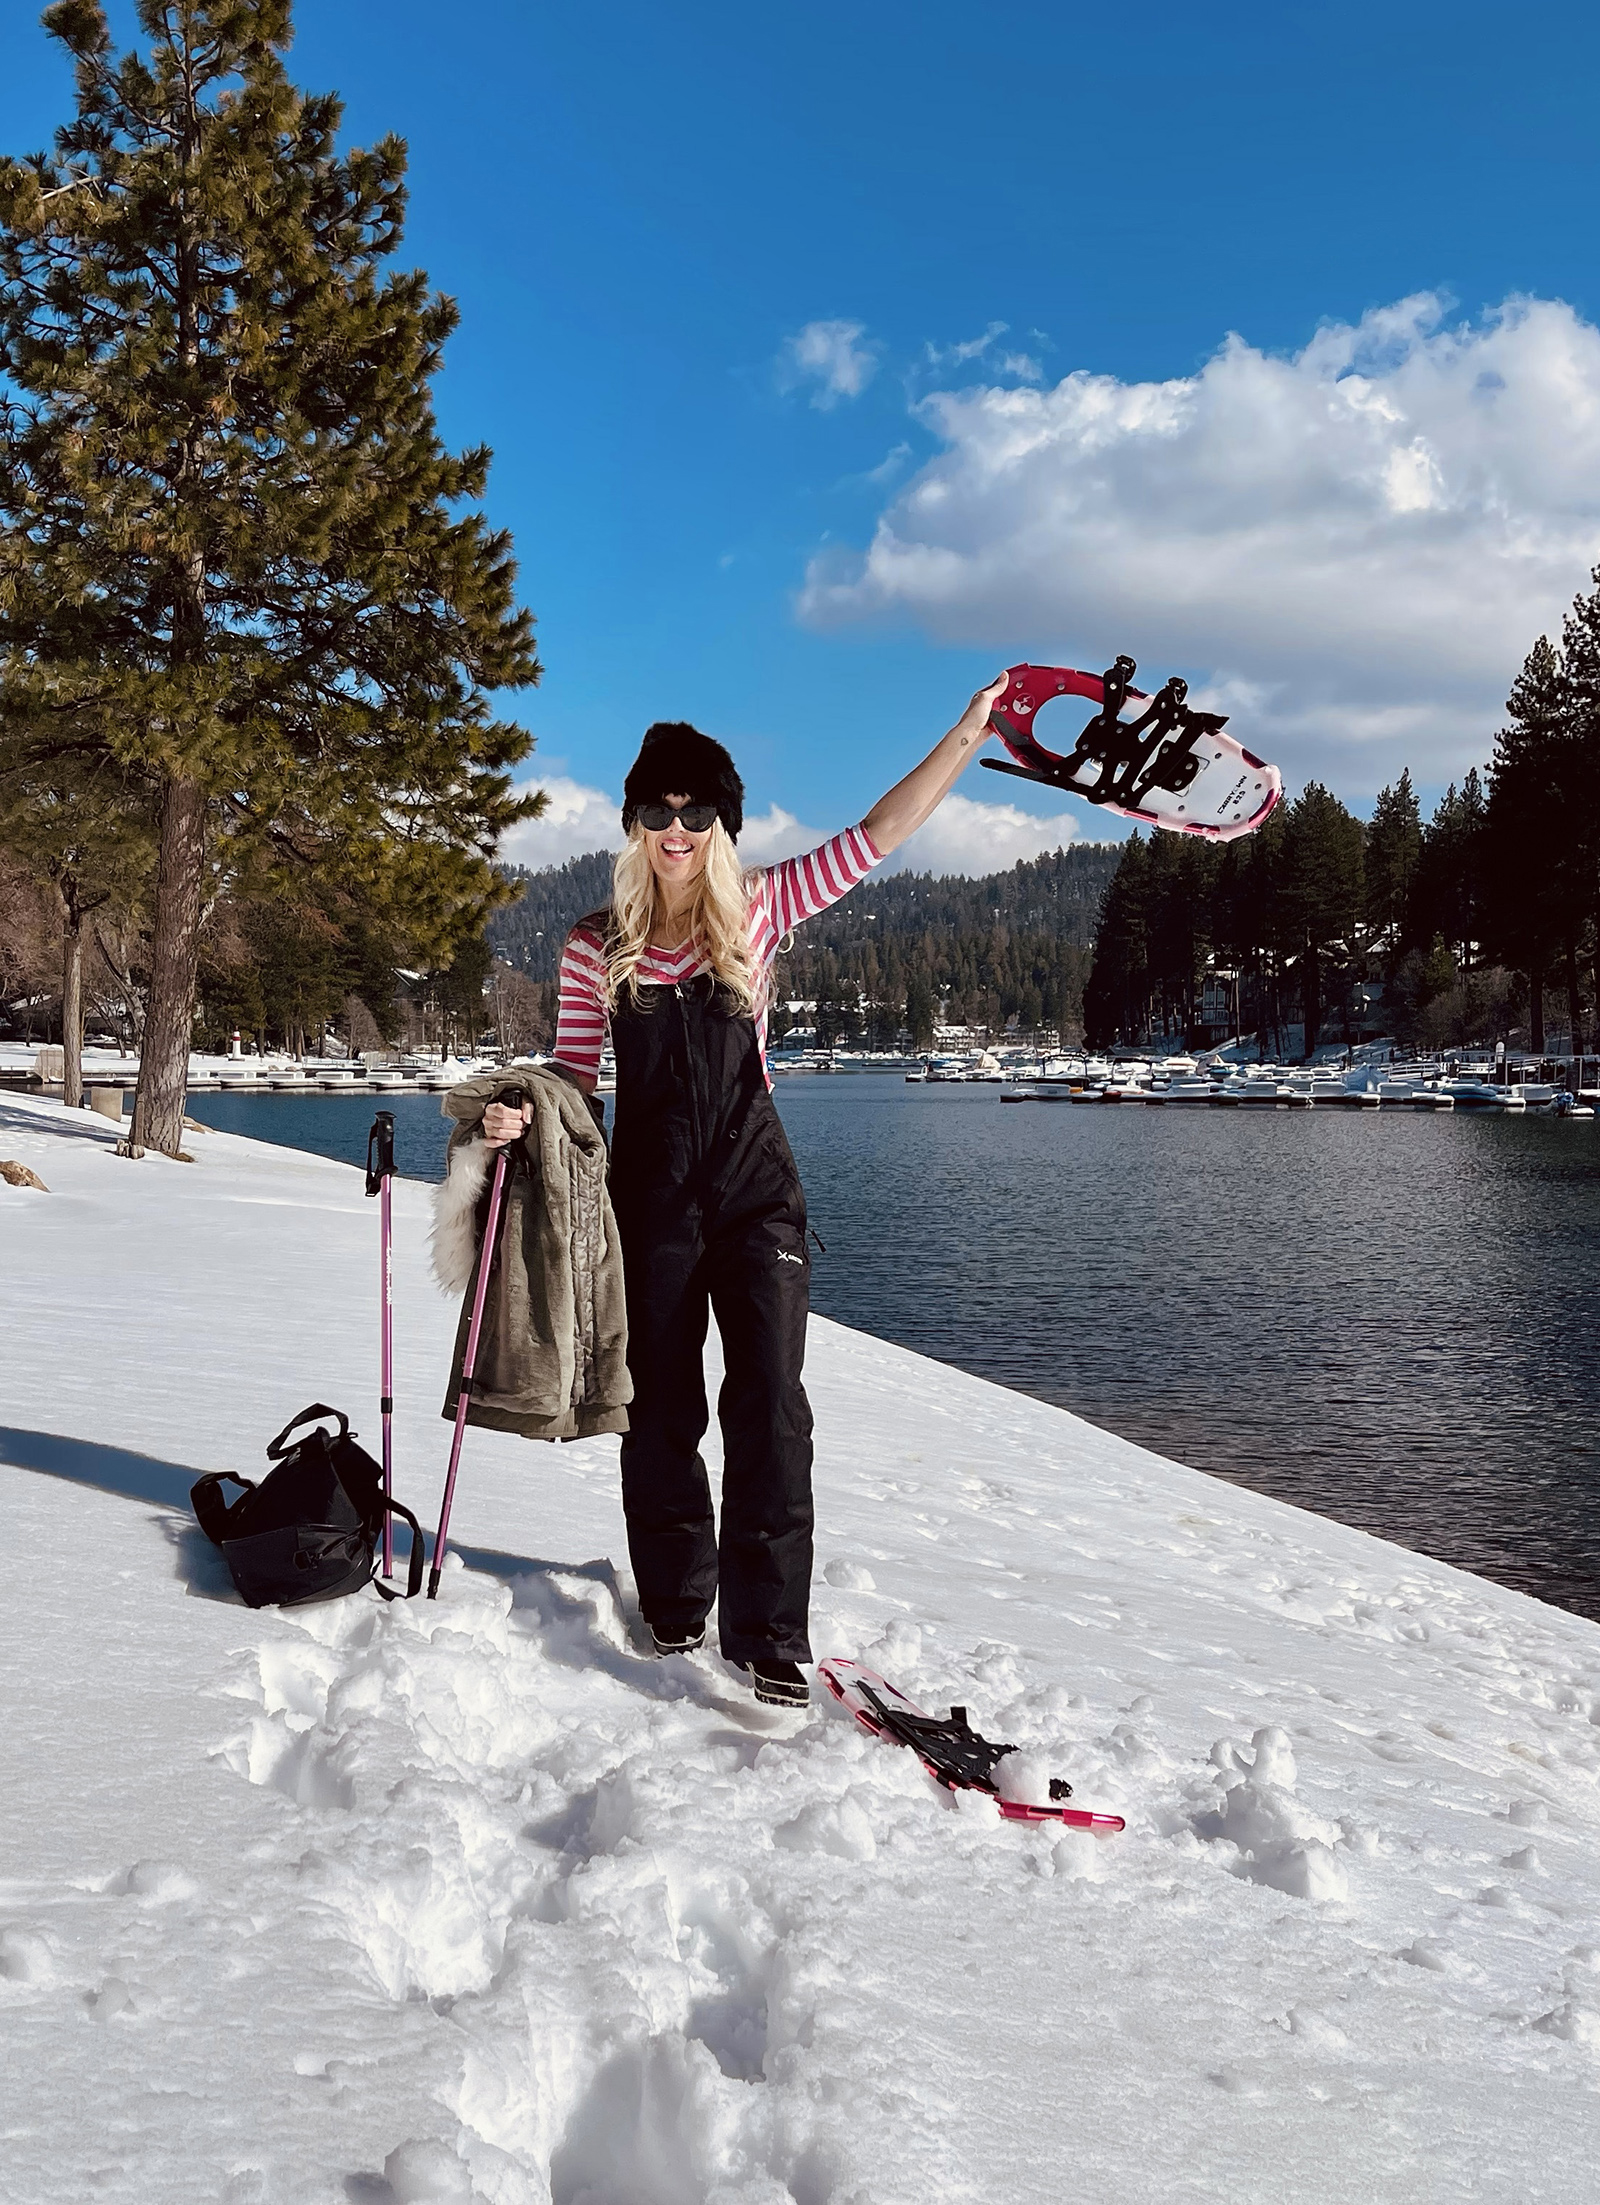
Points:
x=720, y=1940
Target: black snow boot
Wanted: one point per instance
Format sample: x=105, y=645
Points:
x=665, y=1646
x=776, y=1683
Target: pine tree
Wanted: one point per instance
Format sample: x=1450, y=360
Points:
x=1249, y=925
x=236, y=561
x=1580, y=657
x=1447, y=889
x=460, y=989
x=85, y=833
x=922, y=1008
x=1394, y=846
x=1116, y=999
x=1324, y=890
x=1530, y=831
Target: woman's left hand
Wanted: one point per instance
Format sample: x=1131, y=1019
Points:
x=974, y=722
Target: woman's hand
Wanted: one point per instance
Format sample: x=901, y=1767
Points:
x=501, y=1124
x=910, y=801
x=973, y=724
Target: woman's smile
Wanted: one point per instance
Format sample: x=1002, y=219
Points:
x=676, y=854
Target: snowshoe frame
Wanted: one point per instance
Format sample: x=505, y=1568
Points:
x=951, y=1752
x=1122, y=763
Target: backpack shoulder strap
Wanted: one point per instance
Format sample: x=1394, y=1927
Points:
x=414, y=1574
x=212, y=1512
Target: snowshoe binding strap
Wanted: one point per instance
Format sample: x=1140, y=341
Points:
x=952, y=1751
x=1114, y=761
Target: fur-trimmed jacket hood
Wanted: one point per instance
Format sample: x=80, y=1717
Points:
x=553, y=1353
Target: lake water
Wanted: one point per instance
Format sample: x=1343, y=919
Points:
x=1387, y=1319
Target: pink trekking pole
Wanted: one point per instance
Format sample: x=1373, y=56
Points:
x=380, y=1177
x=511, y=1099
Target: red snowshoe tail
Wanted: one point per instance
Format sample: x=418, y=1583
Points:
x=951, y=1751
x=1167, y=766
x=1075, y=1818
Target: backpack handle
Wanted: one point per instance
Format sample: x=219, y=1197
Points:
x=318, y=1409
x=211, y=1510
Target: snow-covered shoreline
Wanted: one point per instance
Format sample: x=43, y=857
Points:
x=475, y=1891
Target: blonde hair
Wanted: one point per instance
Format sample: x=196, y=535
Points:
x=718, y=918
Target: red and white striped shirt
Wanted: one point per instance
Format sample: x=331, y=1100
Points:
x=780, y=897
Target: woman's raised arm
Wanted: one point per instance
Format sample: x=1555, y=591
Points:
x=925, y=787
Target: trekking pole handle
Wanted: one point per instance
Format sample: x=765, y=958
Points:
x=380, y=1151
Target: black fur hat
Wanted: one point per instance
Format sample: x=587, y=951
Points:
x=676, y=759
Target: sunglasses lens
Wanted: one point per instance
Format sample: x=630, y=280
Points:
x=695, y=818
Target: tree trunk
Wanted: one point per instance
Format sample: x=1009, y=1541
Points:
x=174, y=956
x=71, y=1000
x=1536, y=1012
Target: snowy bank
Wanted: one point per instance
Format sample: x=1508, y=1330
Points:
x=471, y=1901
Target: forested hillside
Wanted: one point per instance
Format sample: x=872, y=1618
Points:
x=902, y=952
x=529, y=933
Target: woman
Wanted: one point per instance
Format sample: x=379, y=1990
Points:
x=707, y=1199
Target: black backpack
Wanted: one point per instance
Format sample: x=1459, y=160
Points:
x=308, y=1530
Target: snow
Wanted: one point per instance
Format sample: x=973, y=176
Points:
x=471, y=1901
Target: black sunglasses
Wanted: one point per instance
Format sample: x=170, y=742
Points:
x=693, y=818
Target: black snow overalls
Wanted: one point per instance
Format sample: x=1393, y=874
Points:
x=711, y=1215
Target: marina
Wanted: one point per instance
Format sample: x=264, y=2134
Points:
x=1376, y=1080
x=1431, y=1085
x=107, y=1073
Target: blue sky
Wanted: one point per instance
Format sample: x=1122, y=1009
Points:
x=745, y=292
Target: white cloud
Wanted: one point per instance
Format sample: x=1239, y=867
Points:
x=576, y=820
x=962, y=837
x=767, y=836
x=580, y=819
x=1357, y=543
x=889, y=466
x=970, y=348
x=965, y=836
x=831, y=358
x=1020, y=364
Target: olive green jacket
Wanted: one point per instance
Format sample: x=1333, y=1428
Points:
x=553, y=1356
